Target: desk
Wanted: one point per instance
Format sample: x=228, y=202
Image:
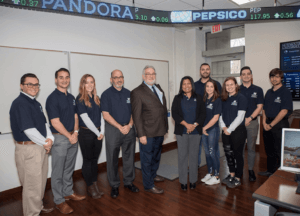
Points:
x=280, y=191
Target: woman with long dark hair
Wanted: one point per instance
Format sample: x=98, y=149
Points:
x=211, y=132
x=232, y=120
x=188, y=112
x=90, y=135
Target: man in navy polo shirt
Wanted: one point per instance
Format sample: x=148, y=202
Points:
x=33, y=143
x=120, y=132
x=255, y=98
x=277, y=108
x=199, y=87
x=61, y=109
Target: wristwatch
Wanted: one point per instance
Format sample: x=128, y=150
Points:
x=76, y=131
x=196, y=124
x=270, y=125
x=251, y=117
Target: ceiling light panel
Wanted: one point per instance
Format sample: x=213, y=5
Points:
x=240, y=2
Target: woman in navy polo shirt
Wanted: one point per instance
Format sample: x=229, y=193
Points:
x=211, y=132
x=232, y=120
x=90, y=136
x=188, y=112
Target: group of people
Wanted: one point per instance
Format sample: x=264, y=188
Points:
x=122, y=116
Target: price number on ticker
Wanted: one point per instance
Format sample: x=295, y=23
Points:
x=141, y=17
x=260, y=16
x=30, y=3
x=162, y=19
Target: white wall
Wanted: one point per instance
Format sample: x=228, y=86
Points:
x=40, y=30
x=262, y=49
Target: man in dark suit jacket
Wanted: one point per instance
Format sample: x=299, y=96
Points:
x=149, y=112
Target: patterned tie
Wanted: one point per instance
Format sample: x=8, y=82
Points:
x=155, y=92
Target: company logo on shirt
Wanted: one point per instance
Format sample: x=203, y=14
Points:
x=210, y=106
x=128, y=100
x=254, y=95
x=41, y=108
x=234, y=103
x=277, y=100
x=74, y=102
x=195, y=99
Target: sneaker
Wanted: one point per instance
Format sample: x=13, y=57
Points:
x=206, y=178
x=213, y=180
x=227, y=180
x=234, y=183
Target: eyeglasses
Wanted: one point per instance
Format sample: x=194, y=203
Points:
x=153, y=74
x=116, y=78
x=30, y=85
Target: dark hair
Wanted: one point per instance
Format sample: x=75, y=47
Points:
x=61, y=69
x=181, y=92
x=225, y=94
x=216, y=90
x=245, y=68
x=276, y=71
x=23, y=78
x=204, y=64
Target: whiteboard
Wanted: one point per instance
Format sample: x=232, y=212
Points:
x=101, y=66
x=14, y=63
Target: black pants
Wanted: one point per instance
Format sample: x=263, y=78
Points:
x=272, y=140
x=90, y=148
x=233, y=145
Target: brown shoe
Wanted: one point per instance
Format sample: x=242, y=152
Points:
x=75, y=197
x=47, y=210
x=155, y=190
x=64, y=208
x=97, y=189
x=93, y=192
x=159, y=179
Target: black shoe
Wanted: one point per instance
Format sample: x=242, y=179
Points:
x=252, y=176
x=265, y=173
x=132, y=187
x=227, y=180
x=234, y=183
x=184, y=187
x=114, y=192
x=192, y=186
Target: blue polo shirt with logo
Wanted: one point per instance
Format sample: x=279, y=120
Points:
x=275, y=101
x=26, y=113
x=199, y=87
x=117, y=103
x=212, y=108
x=254, y=95
x=93, y=112
x=231, y=106
x=62, y=106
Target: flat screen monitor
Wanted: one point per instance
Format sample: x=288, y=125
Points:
x=291, y=80
x=290, y=152
x=290, y=56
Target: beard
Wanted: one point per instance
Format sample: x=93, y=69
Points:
x=205, y=75
x=118, y=86
x=150, y=82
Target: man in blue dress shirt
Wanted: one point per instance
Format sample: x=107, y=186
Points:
x=33, y=143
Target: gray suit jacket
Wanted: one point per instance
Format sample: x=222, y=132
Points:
x=150, y=116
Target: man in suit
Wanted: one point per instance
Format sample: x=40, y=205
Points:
x=149, y=112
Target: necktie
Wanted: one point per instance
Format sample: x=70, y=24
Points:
x=155, y=92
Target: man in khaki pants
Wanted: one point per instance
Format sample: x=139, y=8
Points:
x=33, y=143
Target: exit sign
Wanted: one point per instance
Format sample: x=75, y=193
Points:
x=216, y=29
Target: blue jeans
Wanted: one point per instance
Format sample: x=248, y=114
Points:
x=150, y=158
x=212, y=152
x=200, y=149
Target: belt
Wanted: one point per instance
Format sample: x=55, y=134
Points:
x=25, y=142
x=61, y=134
x=88, y=128
x=124, y=124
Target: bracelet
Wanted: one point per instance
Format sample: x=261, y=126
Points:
x=270, y=125
x=76, y=131
x=130, y=125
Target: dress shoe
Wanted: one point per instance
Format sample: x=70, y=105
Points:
x=47, y=210
x=93, y=192
x=192, y=186
x=252, y=176
x=75, y=197
x=155, y=190
x=158, y=179
x=97, y=189
x=114, y=192
x=64, y=208
x=265, y=173
x=184, y=187
x=132, y=187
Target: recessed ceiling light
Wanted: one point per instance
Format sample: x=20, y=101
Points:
x=240, y=2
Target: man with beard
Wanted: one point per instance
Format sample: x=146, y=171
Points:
x=278, y=106
x=199, y=87
x=120, y=133
x=149, y=112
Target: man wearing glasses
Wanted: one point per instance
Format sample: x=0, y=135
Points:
x=149, y=112
x=33, y=143
x=120, y=133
